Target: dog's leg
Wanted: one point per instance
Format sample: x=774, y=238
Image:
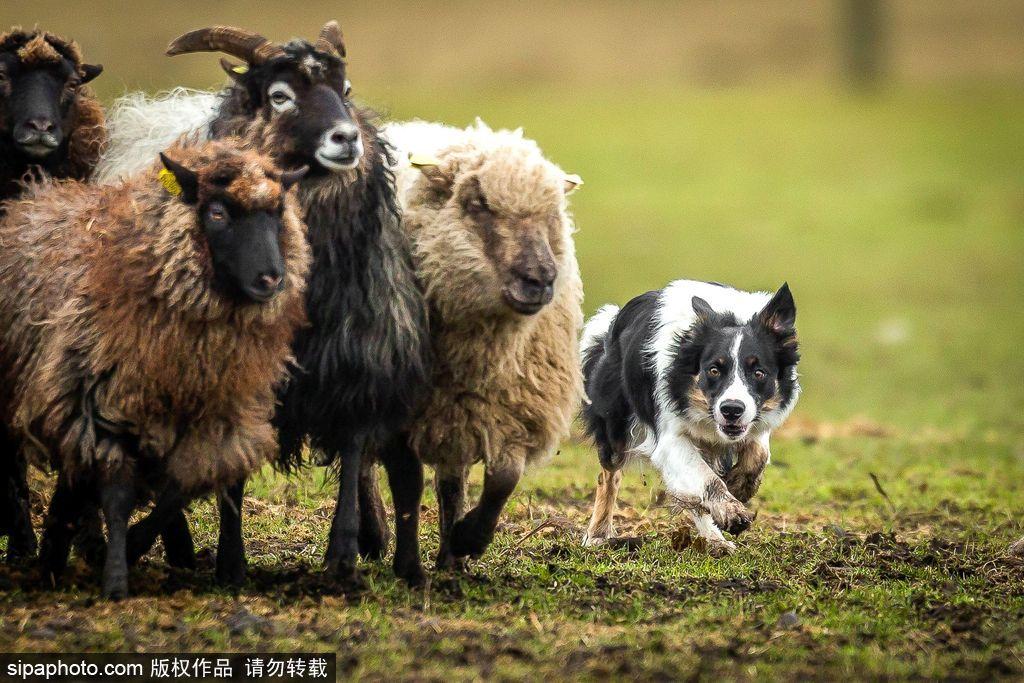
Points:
x=717, y=545
x=744, y=479
x=600, y=529
x=695, y=485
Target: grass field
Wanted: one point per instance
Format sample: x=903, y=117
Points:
x=897, y=221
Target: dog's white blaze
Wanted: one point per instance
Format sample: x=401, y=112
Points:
x=737, y=389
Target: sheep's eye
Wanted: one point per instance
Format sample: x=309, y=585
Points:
x=759, y=375
x=348, y=87
x=714, y=372
x=476, y=205
x=281, y=96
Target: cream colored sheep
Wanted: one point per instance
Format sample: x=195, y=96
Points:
x=493, y=246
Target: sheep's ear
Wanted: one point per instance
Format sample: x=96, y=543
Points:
x=185, y=182
x=430, y=167
x=89, y=72
x=233, y=70
x=571, y=182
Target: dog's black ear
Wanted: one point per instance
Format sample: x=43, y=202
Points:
x=702, y=308
x=779, y=315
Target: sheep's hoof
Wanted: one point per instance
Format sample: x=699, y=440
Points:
x=229, y=574
x=21, y=546
x=115, y=588
x=411, y=573
x=347, y=576
x=373, y=544
x=468, y=540
x=448, y=562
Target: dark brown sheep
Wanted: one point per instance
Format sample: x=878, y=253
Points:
x=50, y=125
x=147, y=325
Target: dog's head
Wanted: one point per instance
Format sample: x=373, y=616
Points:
x=732, y=376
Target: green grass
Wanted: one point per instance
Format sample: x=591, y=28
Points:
x=897, y=221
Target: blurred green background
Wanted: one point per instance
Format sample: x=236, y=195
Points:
x=870, y=153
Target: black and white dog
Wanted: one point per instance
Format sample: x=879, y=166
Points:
x=693, y=377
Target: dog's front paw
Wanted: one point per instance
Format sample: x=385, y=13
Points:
x=713, y=547
x=730, y=515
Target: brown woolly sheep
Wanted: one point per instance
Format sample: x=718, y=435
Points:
x=147, y=325
x=50, y=125
x=492, y=242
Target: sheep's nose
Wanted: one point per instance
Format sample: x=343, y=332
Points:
x=534, y=290
x=270, y=281
x=732, y=410
x=40, y=125
x=344, y=133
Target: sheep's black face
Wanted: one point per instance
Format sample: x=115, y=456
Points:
x=37, y=92
x=306, y=95
x=241, y=209
x=245, y=249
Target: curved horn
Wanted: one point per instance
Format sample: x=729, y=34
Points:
x=330, y=39
x=246, y=45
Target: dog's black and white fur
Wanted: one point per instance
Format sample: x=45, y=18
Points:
x=693, y=377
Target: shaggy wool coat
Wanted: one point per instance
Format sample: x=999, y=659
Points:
x=505, y=386
x=110, y=315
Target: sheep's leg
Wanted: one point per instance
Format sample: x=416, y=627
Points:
x=179, y=550
x=405, y=476
x=600, y=529
x=62, y=520
x=474, y=532
x=118, y=499
x=89, y=541
x=343, y=543
x=373, y=518
x=231, y=563
x=166, y=510
x=21, y=539
x=450, y=487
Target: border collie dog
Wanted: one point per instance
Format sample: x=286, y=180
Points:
x=693, y=377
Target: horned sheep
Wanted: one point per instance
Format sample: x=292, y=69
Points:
x=363, y=362
x=148, y=324
x=493, y=246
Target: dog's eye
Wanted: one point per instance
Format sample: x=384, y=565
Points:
x=714, y=372
x=759, y=375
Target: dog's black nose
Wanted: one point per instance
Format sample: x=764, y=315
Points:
x=732, y=410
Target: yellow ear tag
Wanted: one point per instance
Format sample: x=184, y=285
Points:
x=418, y=160
x=169, y=182
x=240, y=69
